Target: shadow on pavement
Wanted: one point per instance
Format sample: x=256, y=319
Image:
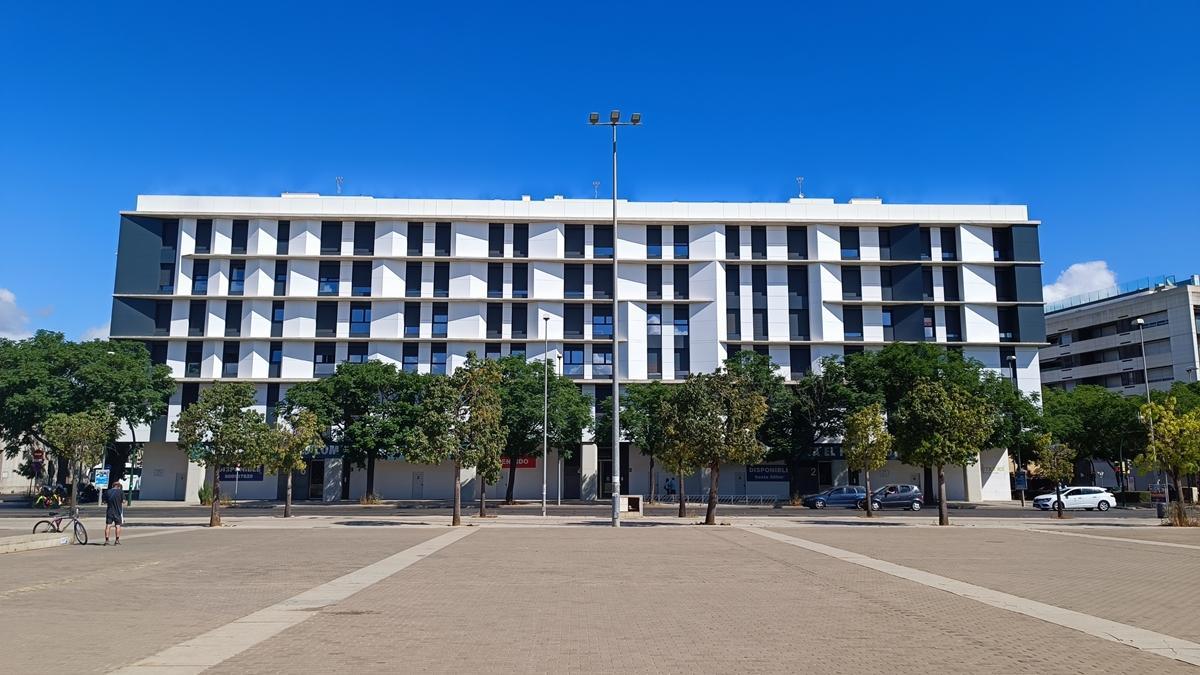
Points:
x=375, y=523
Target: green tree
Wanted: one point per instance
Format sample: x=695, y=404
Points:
x=1055, y=461
x=819, y=401
x=939, y=423
x=1018, y=419
x=222, y=429
x=80, y=439
x=461, y=421
x=1094, y=421
x=677, y=453
x=1174, y=447
x=641, y=421
x=296, y=435
x=866, y=444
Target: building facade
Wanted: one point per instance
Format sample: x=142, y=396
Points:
x=276, y=291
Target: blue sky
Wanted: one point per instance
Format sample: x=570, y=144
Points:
x=1085, y=111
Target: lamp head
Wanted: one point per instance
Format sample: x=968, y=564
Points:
x=614, y=116
x=1139, y=321
x=593, y=118
x=635, y=119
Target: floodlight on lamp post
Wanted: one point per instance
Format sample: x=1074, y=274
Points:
x=614, y=121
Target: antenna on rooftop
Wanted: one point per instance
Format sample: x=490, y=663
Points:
x=339, y=180
x=595, y=189
x=800, y=186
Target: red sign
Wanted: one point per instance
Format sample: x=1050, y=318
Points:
x=522, y=462
x=38, y=454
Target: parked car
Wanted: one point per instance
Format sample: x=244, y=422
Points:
x=1077, y=498
x=895, y=497
x=844, y=496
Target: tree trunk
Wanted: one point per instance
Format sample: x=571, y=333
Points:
x=682, y=498
x=1178, y=512
x=214, y=513
x=793, y=467
x=714, y=477
x=287, y=497
x=370, y=475
x=74, y=485
x=943, y=507
x=512, y=479
x=867, y=502
x=482, y=496
x=456, y=519
x=1058, y=503
x=650, y=476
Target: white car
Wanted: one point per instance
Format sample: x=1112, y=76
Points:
x=1077, y=498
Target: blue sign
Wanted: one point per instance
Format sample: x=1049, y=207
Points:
x=1022, y=481
x=101, y=479
x=766, y=472
x=241, y=473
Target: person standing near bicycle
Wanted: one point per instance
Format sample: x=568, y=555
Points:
x=114, y=514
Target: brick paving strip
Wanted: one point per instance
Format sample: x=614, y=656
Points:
x=222, y=643
x=1139, y=638
x=1150, y=542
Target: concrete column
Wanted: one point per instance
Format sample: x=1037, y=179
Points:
x=589, y=472
x=333, y=480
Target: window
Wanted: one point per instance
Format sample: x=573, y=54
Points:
x=849, y=241
x=733, y=303
x=437, y=358
x=410, y=358
x=926, y=243
x=412, y=319
x=283, y=235
x=954, y=324
x=851, y=283
x=441, y=280
x=950, y=284
x=573, y=321
x=1130, y=378
x=441, y=239
x=240, y=234
x=798, y=302
x=654, y=282
x=412, y=279
x=885, y=243
x=654, y=241
x=852, y=320
x=162, y=317
x=654, y=319
x=602, y=241
x=889, y=330
x=885, y=283
x=733, y=242
x=277, y=317
x=758, y=242
x=573, y=360
x=166, y=277
x=602, y=282
x=496, y=240
x=491, y=351
x=1006, y=284
x=416, y=239
x=281, y=273
x=204, y=236
x=495, y=280
x=681, y=282
x=364, y=238
x=574, y=241
x=654, y=362
x=275, y=360
x=928, y=323
x=520, y=321
x=602, y=321
x=328, y=278
x=441, y=319
x=193, y=355
x=169, y=237
x=324, y=359
x=1162, y=374
x=927, y=282
x=516, y=349
x=356, y=352
x=360, y=319
x=360, y=278
x=229, y=359
x=494, y=319
x=949, y=243
x=680, y=240
x=520, y=280
x=602, y=361
x=1002, y=243
x=521, y=240
x=197, y=313
x=237, y=277
x=758, y=285
x=233, y=318
x=327, y=319
x=680, y=320
x=331, y=237
x=683, y=365
x=200, y=277
x=573, y=281
x=797, y=242
x=1008, y=324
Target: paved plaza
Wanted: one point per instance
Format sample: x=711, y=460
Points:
x=518, y=594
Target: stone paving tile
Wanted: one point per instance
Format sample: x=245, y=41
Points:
x=94, y=608
x=1174, y=535
x=1146, y=586
x=671, y=600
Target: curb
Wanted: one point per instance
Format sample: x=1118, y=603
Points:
x=30, y=542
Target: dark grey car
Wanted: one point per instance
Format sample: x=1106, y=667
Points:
x=896, y=497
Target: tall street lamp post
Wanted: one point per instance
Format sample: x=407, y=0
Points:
x=614, y=121
x=1012, y=365
x=545, y=405
x=1141, y=324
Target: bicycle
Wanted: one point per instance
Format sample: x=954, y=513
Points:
x=57, y=525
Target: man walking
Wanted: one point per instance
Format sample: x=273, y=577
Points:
x=114, y=515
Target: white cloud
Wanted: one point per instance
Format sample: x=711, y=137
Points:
x=14, y=322
x=96, y=333
x=1079, y=278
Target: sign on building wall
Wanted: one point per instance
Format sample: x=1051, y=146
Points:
x=241, y=473
x=522, y=463
x=766, y=472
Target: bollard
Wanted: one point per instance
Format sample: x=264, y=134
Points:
x=1162, y=509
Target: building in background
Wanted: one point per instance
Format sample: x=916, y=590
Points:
x=1094, y=338
x=276, y=291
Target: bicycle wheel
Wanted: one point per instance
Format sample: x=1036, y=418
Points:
x=80, y=533
x=43, y=526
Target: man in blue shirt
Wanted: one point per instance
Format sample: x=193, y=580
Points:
x=114, y=515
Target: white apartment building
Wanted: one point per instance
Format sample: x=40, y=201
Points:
x=278, y=290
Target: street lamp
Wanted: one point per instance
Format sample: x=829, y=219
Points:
x=1141, y=324
x=545, y=405
x=557, y=372
x=1012, y=366
x=614, y=121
